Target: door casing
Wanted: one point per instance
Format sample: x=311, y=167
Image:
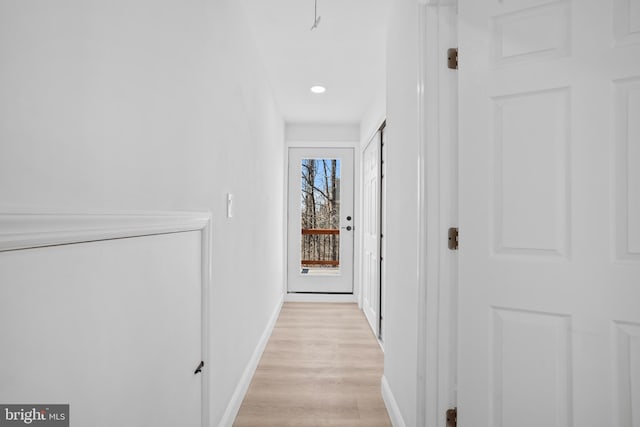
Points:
x=437, y=176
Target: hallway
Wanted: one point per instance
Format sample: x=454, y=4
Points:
x=151, y=195
x=322, y=367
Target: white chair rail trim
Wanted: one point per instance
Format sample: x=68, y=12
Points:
x=33, y=230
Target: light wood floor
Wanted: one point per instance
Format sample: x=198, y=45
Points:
x=321, y=367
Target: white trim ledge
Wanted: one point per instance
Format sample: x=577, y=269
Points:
x=305, y=297
x=33, y=230
x=233, y=407
x=391, y=404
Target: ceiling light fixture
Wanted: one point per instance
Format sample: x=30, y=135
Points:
x=318, y=89
x=316, y=18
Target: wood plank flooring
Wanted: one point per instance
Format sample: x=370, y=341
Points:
x=321, y=367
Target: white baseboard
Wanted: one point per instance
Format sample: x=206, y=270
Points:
x=301, y=297
x=243, y=385
x=391, y=404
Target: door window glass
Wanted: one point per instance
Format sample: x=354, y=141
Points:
x=320, y=216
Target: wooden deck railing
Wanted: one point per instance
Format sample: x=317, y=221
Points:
x=320, y=247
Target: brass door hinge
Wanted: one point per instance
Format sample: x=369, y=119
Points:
x=452, y=58
x=452, y=417
x=453, y=238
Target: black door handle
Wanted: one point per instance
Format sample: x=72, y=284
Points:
x=199, y=368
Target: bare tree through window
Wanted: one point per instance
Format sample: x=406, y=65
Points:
x=320, y=214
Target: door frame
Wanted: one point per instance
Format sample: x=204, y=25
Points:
x=319, y=297
x=438, y=187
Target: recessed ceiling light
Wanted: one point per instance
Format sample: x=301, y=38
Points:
x=318, y=89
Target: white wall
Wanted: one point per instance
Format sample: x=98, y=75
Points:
x=152, y=105
x=400, y=339
x=299, y=132
x=373, y=117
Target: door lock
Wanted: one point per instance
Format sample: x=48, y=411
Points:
x=348, y=228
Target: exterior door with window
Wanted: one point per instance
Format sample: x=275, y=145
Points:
x=549, y=284
x=320, y=220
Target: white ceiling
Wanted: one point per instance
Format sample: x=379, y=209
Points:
x=345, y=54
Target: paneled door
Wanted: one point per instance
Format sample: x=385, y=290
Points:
x=549, y=285
x=371, y=175
x=320, y=220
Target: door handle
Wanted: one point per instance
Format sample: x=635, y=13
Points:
x=348, y=228
x=199, y=368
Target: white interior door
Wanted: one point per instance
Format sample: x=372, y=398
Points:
x=383, y=228
x=549, y=213
x=320, y=220
x=371, y=233
x=112, y=328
